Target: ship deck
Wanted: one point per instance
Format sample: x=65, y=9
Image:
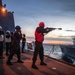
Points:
x=54, y=67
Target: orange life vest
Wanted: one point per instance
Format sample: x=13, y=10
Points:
x=39, y=37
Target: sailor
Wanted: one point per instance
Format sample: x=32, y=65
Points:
x=17, y=36
x=23, y=42
x=1, y=42
x=39, y=38
x=8, y=42
x=11, y=41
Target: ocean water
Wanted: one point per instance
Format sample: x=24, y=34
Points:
x=50, y=50
x=53, y=51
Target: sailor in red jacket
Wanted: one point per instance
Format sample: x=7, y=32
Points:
x=39, y=38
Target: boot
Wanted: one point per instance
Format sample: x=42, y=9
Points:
x=42, y=63
x=9, y=63
x=34, y=66
x=1, y=57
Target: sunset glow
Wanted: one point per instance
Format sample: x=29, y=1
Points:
x=54, y=13
x=57, y=42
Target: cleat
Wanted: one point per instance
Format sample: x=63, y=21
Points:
x=9, y=63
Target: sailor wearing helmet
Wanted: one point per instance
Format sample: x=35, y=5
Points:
x=39, y=38
x=17, y=36
x=8, y=41
x=1, y=42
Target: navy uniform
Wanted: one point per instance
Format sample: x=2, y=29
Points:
x=17, y=36
x=23, y=42
x=1, y=42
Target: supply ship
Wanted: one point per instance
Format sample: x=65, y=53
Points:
x=68, y=52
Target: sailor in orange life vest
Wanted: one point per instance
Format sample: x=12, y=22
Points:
x=39, y=38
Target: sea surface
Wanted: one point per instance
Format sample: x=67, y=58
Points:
x=51, y=50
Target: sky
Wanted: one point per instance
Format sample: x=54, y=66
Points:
x=54, y=13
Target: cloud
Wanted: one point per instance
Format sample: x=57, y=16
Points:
x=41, y=7
x=55, y=13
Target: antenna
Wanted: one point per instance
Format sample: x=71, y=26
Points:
x=4, y=6
x=0, y=3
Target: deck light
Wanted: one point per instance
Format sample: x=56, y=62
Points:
x=3, y=10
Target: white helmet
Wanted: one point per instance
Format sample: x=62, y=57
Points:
x=0, y=27
x=7, y=31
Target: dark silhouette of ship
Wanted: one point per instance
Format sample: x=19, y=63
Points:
x=6, y=18
x=68, y=52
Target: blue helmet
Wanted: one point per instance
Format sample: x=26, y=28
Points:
x=17, y=27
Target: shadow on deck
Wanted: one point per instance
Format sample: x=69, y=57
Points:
x=53, y=67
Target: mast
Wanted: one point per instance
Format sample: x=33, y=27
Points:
x=0, y=3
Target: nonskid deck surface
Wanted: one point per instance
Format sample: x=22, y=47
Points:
x=53, y=67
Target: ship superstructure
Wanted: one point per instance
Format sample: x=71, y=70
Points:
x=6, y=18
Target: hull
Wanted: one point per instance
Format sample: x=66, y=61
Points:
x=68, y=51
